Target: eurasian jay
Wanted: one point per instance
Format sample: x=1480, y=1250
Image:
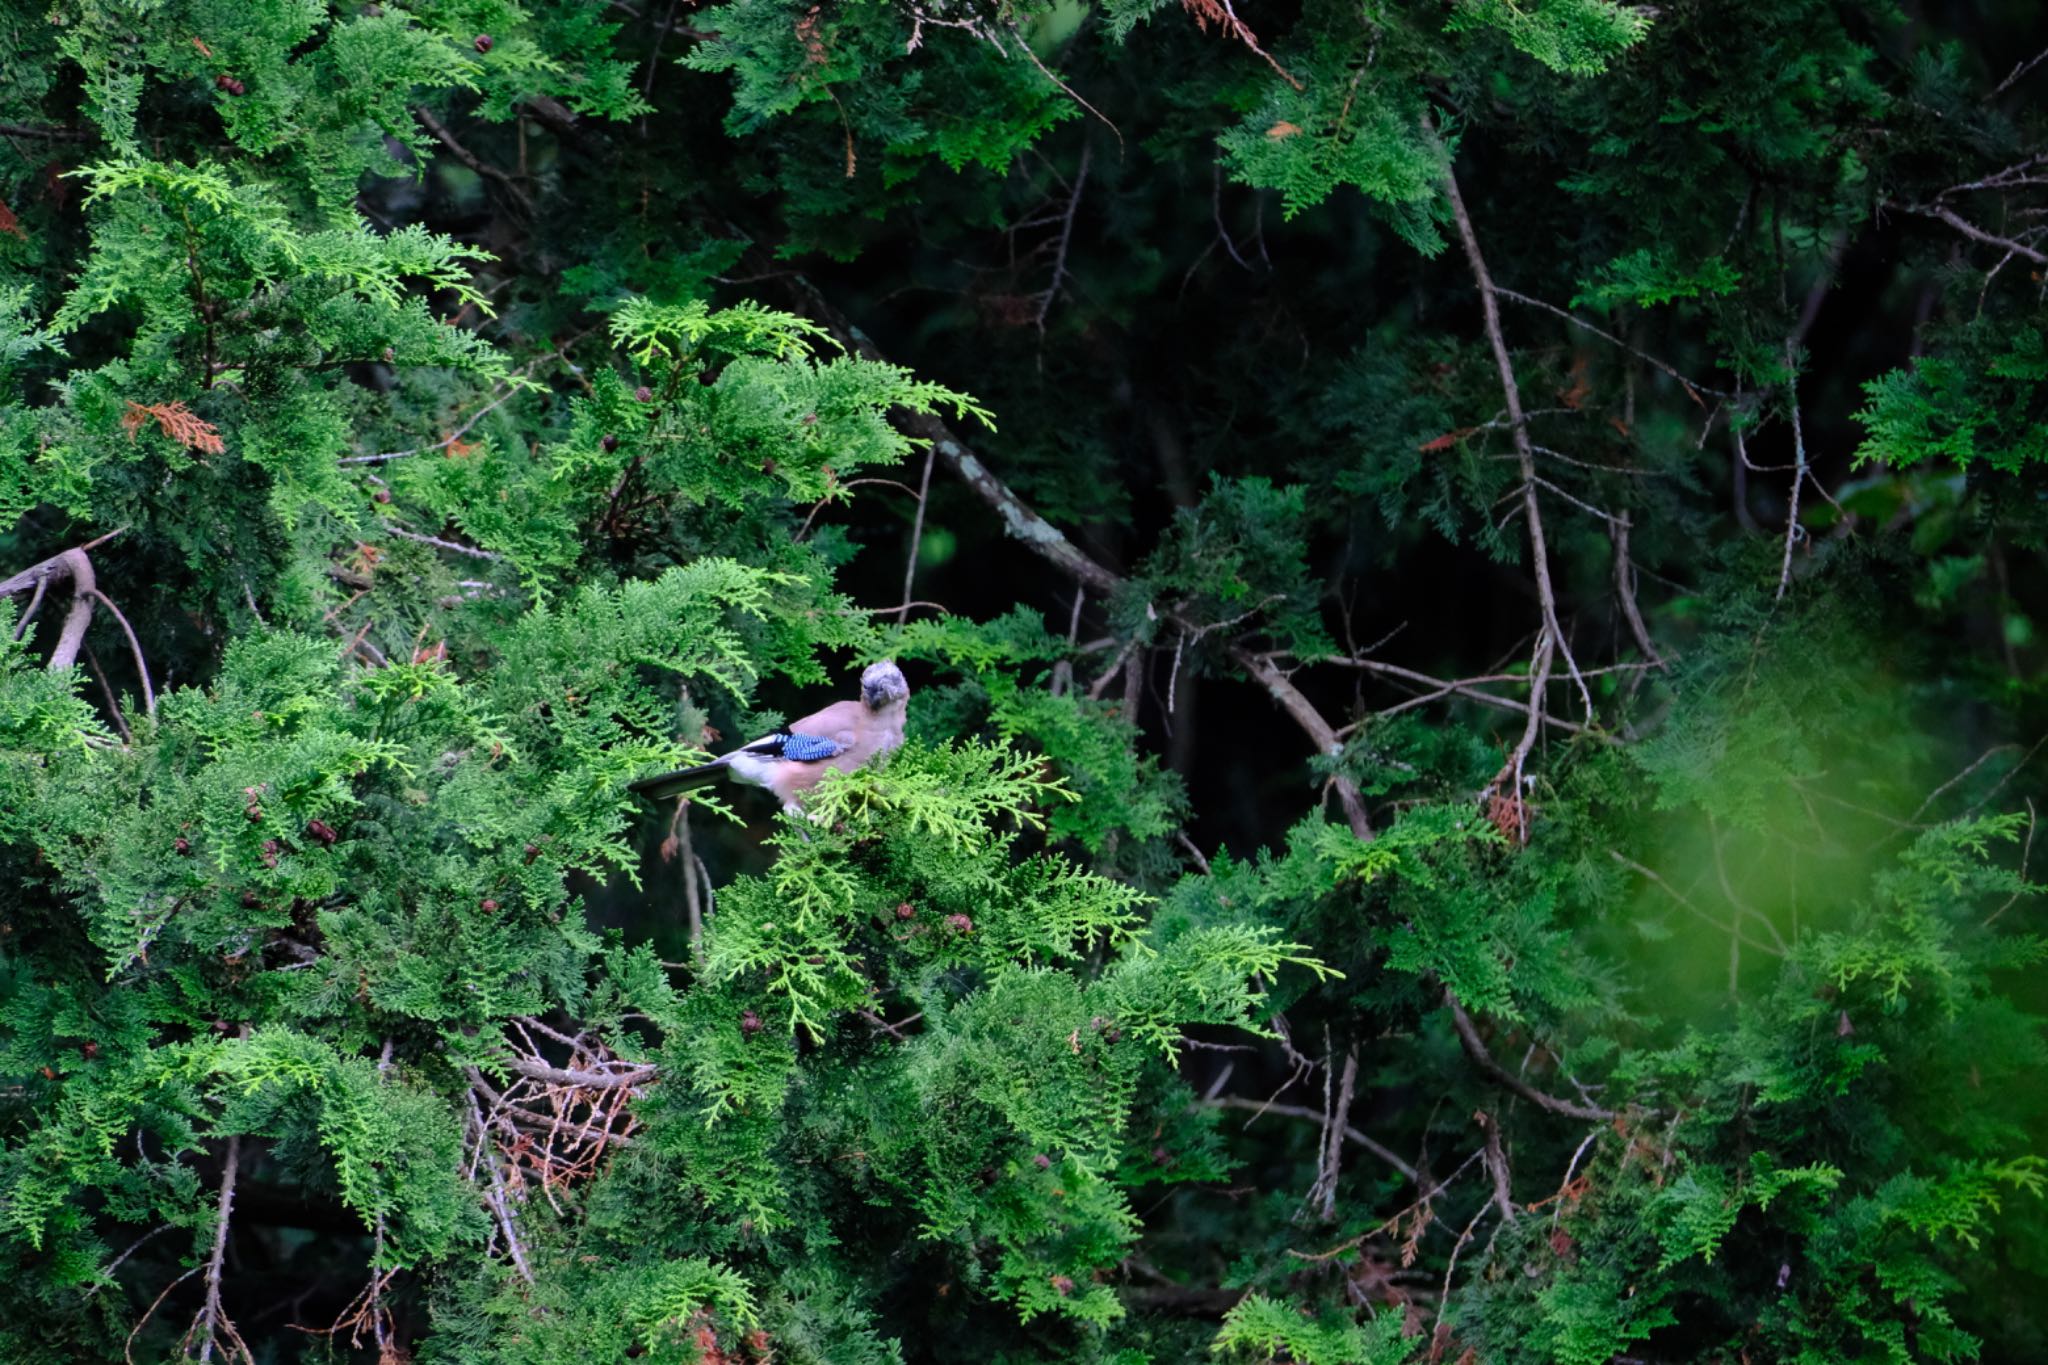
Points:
x=791, y=761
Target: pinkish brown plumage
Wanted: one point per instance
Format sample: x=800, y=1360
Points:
x=840, y=737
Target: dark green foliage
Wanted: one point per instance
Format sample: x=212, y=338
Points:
x=1370, y=880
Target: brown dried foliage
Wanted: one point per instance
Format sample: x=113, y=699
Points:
x=176, y=421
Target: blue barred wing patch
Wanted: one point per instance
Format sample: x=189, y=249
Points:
x=811, y=748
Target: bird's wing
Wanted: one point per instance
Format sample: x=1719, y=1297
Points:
x=796, y=746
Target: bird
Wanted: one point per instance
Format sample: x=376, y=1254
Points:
x=791, y=761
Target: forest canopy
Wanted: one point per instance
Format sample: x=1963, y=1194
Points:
x=1471, y=580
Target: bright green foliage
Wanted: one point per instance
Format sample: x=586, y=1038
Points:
x=1259, y=1328
x=1369, y=879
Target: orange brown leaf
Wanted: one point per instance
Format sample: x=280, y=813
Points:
x=176, y=421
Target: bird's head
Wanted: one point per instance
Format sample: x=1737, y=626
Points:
x=882, y=684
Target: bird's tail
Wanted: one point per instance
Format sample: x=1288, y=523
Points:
x=683, y=779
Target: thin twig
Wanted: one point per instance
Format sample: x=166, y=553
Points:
x=924, y=486
x=1724, y=926
x=133, y=1247
x=1625, y=594
x=591, y=1080
x=1297, y=1111
x=2022, y=69
x=1693, y=389
x=128, y=1351
x=450, y=440
x=1059, y=259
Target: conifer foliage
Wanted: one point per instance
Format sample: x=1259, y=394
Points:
x=1472, y=581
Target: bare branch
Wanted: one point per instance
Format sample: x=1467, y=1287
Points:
x=1799, y=470
x=589, y=1080
x=52, y=134
x=1475, y=1048
x=1319, y=731
x=1972, y=231
x=1324, y=1191
x=1059, y=260
x=2018, y=71
x=212, y=1327
x=450, y=440
x=1497, y=1166
x=1693, y=389
x=1297, y=1111
x=924, y=488
x=83, y=589
x=440, y=544
x=1463, y=687
x=135, y=647
x=1625, y=593
x=1724, y=926
x=1019, y=520
x=1550, y=640
x=470, y=159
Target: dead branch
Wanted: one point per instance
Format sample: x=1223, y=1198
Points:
x=2018, y=71
x=1297, y=1111
x=1550, y=641
x=1972, y=231
x=924, y=486
x=1475, y=1048
x=1463, y=687
x=1324, y=1191
x=1497, y=1165
x=1319, y=731
x=211, y=1327
x=589, y=1080
x=1059, y=260
x=135, y=647
x=440, y=544
x=1692, y=388
x=470, y=159
x=1625, y=594
x=1798, y=471
x=50, y=134
x=1685, y=901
